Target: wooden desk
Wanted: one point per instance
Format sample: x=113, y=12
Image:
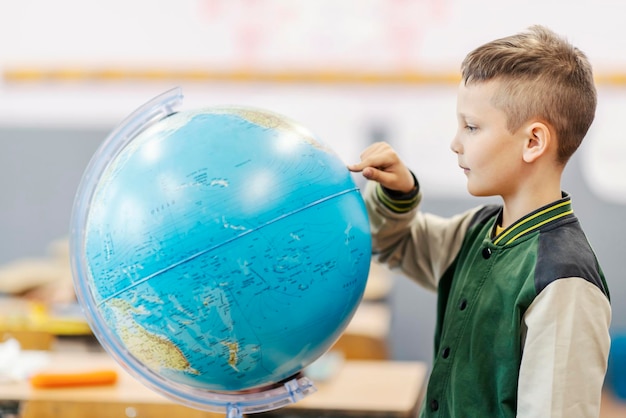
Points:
x=360, y=388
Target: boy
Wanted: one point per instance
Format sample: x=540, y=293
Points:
x=523, y=307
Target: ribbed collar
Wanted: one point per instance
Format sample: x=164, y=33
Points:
x=538, y=219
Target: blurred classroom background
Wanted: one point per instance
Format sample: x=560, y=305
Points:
x=352, y=71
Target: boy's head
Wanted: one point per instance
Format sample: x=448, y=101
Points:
x=541, y=76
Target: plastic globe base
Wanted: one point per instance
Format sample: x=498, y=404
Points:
x=271, y=397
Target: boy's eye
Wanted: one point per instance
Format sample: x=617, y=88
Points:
x=470, y=128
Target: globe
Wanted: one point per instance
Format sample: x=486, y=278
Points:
x=217, y=251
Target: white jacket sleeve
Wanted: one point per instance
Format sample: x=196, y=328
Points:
x=420, y=245
x=565, y=351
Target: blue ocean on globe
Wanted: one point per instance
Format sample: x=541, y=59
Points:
x=225, y=249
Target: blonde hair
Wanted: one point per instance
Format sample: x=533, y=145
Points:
x=542, y=76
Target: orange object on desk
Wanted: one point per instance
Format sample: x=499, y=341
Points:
x=64, y=380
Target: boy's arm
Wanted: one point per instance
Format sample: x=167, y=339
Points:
x=565, y=351
x=422, y=246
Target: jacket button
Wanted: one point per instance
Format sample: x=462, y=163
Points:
x=446, y=352
x=434, y=405
x=486, y=253
x=463, y=304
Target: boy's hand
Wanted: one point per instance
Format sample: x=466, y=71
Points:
x=379, y=162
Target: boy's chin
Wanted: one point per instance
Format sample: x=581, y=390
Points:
x=478, y=192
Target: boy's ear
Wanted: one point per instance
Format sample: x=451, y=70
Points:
x=537, y=141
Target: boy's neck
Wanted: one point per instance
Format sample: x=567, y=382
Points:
x=520, y=204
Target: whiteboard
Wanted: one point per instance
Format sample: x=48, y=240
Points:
x=262, y=35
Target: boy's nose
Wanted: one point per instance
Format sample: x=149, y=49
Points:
x=455, y=145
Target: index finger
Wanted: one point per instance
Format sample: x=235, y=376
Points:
x=369, y=157
x=358, y=167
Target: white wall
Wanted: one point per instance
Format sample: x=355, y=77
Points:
x=269, y=34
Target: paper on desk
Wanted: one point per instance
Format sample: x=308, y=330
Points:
x=17, y=364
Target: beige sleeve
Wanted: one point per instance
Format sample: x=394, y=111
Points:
x=565, y=351
x=420, y=245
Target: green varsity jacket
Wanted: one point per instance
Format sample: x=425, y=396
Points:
x=523, y=317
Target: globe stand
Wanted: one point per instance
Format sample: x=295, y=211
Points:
x=270, y=398
x=232, y=411
x=234, y=404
